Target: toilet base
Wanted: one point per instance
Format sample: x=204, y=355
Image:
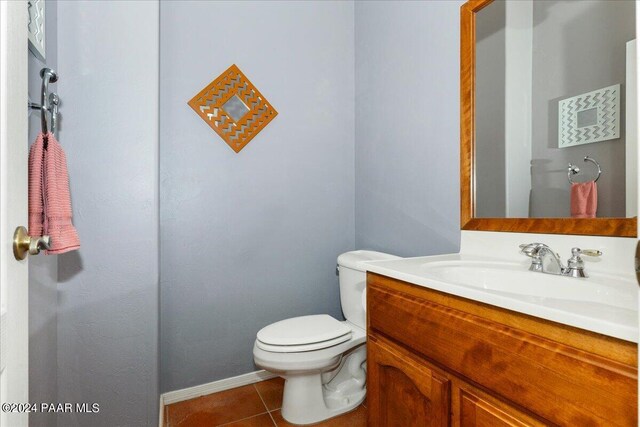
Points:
x=317, y=396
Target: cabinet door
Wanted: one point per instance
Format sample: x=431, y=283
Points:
x=402, y=391
x=476, y=411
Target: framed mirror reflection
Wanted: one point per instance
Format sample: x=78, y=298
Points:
x=549, y=116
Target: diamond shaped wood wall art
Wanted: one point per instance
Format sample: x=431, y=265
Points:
x=234, y=108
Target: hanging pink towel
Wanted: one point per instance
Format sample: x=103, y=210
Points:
x=49, y=199
x=584, y=199
x=36, y=171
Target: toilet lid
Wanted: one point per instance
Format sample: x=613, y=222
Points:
x=304, y=330
x=304, y=347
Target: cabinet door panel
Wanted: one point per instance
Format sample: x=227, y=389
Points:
x=402, y=391
x=477, y=412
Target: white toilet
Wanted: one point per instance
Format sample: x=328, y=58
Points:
x=323, y=360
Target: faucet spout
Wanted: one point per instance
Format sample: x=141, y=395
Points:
x=550, y=260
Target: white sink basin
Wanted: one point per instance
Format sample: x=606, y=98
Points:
x=601, y=303
x=510, y=279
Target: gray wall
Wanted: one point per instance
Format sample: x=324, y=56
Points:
x=252, y=238
x=407, y=126
x=43, y=270
x=490, y=112
x=108, y=291
x=248, y=238
x=577, y=47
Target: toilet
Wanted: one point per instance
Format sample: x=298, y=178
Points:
x=322, y=359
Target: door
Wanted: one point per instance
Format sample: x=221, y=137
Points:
x=14, y=327
x=636, y=70
x=402, y=391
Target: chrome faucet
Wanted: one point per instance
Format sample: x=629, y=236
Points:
x=545, y=260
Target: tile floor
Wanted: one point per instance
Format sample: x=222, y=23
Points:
x=254, y=405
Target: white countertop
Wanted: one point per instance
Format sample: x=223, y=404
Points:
x=602, y=303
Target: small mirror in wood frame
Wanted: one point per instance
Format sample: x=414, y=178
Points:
x=234, y=108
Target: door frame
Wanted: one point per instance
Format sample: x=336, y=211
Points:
x=14, y=275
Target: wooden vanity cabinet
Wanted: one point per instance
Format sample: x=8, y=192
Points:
x=439, y=360
x=406, y=391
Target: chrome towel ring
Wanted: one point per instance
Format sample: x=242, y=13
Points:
x=574, y=170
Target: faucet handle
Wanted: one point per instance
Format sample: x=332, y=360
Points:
x=531, y=249
x=575, y=265
x=587, y=252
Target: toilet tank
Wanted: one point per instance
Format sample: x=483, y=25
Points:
x=353, y=280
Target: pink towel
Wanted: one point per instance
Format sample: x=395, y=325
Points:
x=49, y=199
x=584, y=199
x=36, y=171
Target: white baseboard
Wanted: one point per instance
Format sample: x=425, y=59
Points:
x=213, y=387
x=161, y=415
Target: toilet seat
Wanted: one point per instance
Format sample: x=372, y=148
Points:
x=303, y=361
x=305, y=333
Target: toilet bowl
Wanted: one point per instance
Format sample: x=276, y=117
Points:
x=322, y=359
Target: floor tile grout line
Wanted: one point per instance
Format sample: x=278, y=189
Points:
x=265, y=405
x=273, y=420
x=260, y=396
x=271, y=415
x=242, y=419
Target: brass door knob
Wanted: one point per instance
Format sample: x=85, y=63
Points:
x=24, y=244
x=638, y=263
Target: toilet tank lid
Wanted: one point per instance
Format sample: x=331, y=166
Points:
x=358, y=260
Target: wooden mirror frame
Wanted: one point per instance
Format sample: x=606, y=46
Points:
x=622, y=227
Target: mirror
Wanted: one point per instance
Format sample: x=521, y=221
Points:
x=235, y=108
x=548, y=116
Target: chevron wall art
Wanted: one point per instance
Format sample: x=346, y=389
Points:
x=233, y=108
x=36, y=28
x=590, y=117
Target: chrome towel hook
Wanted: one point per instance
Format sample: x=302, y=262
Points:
x=48, y=102
x=574, y=170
